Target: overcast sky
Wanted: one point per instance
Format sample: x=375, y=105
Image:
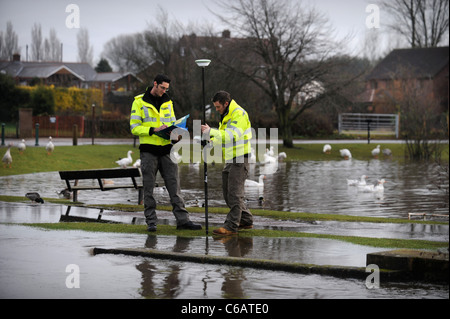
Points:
x=107, y=19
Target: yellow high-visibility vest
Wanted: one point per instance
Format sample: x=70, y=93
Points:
x=144, y=116
x=234, y=133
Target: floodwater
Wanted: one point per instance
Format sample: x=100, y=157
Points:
x=34, y=261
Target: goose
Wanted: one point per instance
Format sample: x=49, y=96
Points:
x=252, y=158
x=376, y=151
x=7, y=158
x=327, y=149
x=356, y=182
x=251, y=183
x=124, y=162
x=50, y=147
x=34, y=197
x=270, y=152
x=282, y=156
x=137, y=164
x=379, y=187
x=345, y=153
x=387, y=152
x=22, y=146
x=269, y=159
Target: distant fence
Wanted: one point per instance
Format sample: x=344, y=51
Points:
x=360, y=123
x=62, y=126
x=58, y=126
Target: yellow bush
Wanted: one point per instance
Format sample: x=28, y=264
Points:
x=73, y=100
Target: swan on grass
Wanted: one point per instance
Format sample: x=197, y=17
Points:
x=327, y=149
x=126, y=161
x=251, y=183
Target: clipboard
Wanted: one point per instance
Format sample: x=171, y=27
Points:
x=180, y=123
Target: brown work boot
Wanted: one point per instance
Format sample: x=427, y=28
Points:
x=223, y=231
x=242, y=226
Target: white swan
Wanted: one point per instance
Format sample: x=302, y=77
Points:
x=50, y=146
x=345, y=153
x=251, y=183
x=376, y=151
x=270, y=152
x=124, y=162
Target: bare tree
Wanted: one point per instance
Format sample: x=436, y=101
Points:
x=8, y=42
x=162, y=37
x=85, y=50
x=423, y=23
x=54, y=47
x=286, y=50
x=37, y=45
x=127, y=53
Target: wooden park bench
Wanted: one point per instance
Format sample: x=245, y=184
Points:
x=101, y=175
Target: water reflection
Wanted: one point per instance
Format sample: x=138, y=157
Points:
x=171, y=282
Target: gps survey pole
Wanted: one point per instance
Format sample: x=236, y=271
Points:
x=203, y=63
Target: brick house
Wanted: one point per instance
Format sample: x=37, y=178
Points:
x=423, y=69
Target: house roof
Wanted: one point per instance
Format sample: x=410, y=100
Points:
x=418, y=63
x=20, y=69
x=113, y=76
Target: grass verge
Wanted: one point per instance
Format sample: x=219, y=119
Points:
x=172, y=231
x=279, y=215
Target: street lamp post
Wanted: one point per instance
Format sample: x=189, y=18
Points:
x=203, y=63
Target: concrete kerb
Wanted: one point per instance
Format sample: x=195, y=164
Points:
x=274, y=265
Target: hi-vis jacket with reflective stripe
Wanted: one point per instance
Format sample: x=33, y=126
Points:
x=144, y=116
x=234, y=133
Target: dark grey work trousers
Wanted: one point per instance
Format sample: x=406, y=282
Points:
x=233, y=180
x=150, y=164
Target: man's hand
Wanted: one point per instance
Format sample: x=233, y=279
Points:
x=205, y=129
x=162, y=127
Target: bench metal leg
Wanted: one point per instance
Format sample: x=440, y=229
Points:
x=140, y=196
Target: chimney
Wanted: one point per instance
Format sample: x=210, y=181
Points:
x=16, y=57
x=226, y=34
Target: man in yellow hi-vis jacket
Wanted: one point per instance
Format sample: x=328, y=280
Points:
x=152, y=112
x=234, y=134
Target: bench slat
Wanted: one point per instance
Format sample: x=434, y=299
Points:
x=100, y=173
